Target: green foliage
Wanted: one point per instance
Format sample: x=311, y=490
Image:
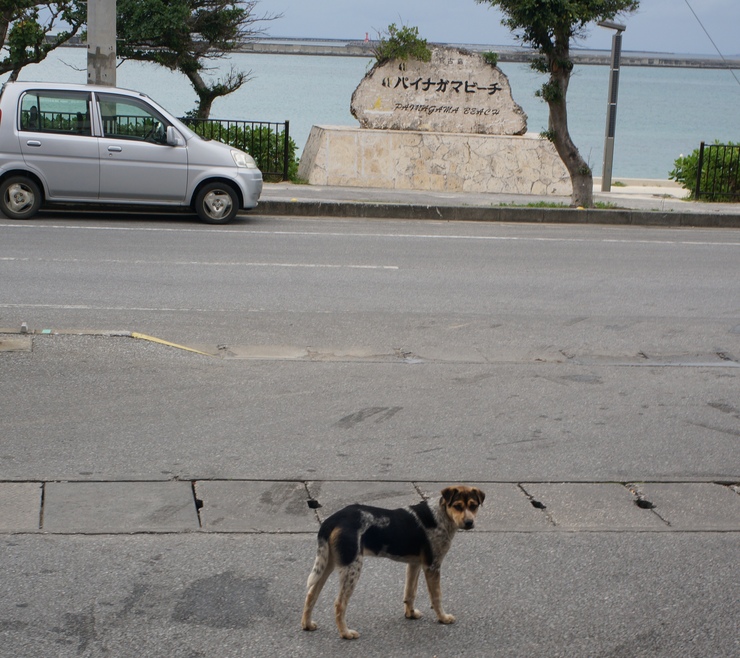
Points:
x=264, y=144
x=402, y=43
x=549, y=135
x=544, y=23
x=26, y=24
x=184, y=35
x=684, y=170
x=720, y=172
x=550, y=92
x=490, y=57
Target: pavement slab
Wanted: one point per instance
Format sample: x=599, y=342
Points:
x=102, y=507
x=20, y=503
x=599, y=506
x=694, y=506
x=255, y=506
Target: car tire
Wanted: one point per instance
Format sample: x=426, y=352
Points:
x=217, y=203
x=20, y=197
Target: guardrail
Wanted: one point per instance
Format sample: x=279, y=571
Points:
x=718, y=172
x=267, y=142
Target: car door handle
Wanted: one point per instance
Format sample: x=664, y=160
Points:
x=115, y=149
x=33, y=142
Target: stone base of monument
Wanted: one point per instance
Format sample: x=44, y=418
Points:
x=433, y=161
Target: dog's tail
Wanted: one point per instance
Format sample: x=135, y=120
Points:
x=320, y=564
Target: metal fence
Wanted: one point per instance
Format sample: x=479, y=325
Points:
x=718, y=172
x=267, y=142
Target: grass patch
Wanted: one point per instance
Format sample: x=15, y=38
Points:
x=536, y=204
x=600, y=205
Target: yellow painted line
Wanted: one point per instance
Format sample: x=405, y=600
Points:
x=153, y=339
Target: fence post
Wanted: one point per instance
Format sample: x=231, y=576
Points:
x=286, y=149
x=697, y=192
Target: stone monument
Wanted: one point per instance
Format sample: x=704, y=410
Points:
x=449, y=124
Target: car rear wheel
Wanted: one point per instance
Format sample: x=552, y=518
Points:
x=217, y=203
x=20, y=197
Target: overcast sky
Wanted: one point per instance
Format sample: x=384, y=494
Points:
x=658, y=26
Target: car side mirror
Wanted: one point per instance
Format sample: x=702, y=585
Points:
x=174, y=138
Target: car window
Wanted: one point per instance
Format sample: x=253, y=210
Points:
x=130, y=118
x=56, y=112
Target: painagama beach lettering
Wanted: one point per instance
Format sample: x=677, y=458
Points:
x=441, y=86
x=446, y=109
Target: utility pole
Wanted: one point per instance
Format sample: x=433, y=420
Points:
x=101, y=42
x=611, y=108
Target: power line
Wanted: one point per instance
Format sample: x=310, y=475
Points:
x=712, y=40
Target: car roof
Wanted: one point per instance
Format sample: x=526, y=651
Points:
x=22, y=85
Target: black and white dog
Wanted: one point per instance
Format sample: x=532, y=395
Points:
x=419, y=535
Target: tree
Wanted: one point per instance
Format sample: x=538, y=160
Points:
x=184, y=35
x=549, y=26
x=26, y=28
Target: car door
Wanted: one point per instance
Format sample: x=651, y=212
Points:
x=57, y=142
x=136, y=163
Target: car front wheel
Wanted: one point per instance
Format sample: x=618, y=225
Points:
x=20, y=197
x=217, y=203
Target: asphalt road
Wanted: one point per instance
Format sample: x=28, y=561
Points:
x=369, y=350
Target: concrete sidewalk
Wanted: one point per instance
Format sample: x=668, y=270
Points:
x=246, y=506
x=636, y=202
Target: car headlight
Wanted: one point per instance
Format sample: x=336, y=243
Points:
x=242, y=159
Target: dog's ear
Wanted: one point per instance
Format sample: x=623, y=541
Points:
x=448, y=495
x=479, y=493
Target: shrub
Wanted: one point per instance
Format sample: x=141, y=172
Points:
x=490, y=57
x=402, y=43
x=720, y=172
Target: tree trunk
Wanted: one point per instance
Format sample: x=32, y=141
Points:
x=209, y=93
x=205, y=101
x=555, y=94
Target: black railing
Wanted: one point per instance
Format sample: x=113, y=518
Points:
x=267, y=142
x=718, y=172
x=56, y=122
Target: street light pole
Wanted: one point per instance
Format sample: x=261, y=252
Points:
x=101, y=42
x=611, y=108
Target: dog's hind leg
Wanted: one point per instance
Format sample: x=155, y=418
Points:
x=409, y=591
x=348, y=577
x=322, y=568
x=435, y=594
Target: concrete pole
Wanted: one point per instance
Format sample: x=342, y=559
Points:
x=101, y=42
x=611, y=108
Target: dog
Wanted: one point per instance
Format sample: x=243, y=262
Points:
x=419, y=535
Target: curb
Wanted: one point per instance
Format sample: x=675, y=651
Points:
x=507, y=214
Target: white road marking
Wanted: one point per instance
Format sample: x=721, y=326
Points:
x=124, y=261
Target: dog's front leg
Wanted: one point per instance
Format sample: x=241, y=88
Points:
x=435, y=594
x=409, y=591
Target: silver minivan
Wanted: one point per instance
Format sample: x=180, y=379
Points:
x=88, y=144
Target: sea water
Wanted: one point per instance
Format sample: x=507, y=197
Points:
x=662, y=113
